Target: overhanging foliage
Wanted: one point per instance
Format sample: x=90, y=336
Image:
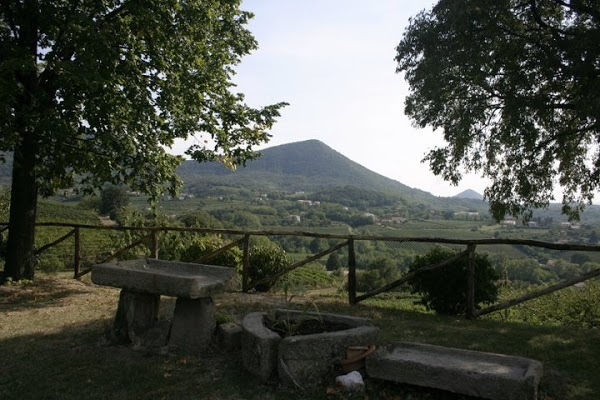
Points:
x=515, y=88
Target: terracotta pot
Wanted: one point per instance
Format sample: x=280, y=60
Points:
x=355, y=357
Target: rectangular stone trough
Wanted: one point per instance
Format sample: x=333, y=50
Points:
x=167, y=278
x=486, y=375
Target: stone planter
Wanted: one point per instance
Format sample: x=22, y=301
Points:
x=303, y=360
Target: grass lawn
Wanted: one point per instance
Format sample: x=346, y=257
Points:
x=52, y=347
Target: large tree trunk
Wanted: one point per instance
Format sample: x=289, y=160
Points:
x=20, y=261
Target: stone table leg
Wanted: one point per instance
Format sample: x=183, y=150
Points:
x=136, y=313
x=194, y=325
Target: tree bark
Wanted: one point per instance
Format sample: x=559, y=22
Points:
x=20, y=262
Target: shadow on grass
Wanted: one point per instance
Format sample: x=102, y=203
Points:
x=75, y=362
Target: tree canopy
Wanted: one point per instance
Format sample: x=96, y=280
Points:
x=95, y=91
x=515, y=87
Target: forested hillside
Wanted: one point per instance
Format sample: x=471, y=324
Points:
x=303, y=166
x=308, y=166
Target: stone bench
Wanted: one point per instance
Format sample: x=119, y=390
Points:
x=486, y=375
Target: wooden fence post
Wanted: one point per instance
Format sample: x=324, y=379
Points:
x=154, y=244
x=245, y=263
x=77, y=254
x=351, y=272
x=471, y=282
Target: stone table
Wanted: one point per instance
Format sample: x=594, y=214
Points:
x=143, y=281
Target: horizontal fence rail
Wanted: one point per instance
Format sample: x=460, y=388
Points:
x=526, y=242
x=150, y=234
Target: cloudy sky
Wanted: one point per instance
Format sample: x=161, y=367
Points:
x=333, y=61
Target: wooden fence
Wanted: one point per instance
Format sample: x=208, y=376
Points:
x=347, y=241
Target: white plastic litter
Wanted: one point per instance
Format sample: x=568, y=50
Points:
x=351, y=382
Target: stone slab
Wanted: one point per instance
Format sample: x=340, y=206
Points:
x=193, y=325
x=162, y=277
x=136, y=314
x=230, y=336
x=486, y=375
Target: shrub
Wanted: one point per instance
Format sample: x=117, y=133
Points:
x=266, y=261
x=171, y=244
x=445, y=290
x=576, y=306
x=200, y=219
x=113, y=200
x=202, y=246
x=50, y=264
x=333, y=262
x=378, y=273
x=311, y=276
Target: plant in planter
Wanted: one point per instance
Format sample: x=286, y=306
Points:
x=303, y=322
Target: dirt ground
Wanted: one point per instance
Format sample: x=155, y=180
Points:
x=51, y=302
x=54, y=301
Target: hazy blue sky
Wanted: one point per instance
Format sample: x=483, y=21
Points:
x=333, y=61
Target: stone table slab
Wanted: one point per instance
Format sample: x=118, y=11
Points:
x=169, y=278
